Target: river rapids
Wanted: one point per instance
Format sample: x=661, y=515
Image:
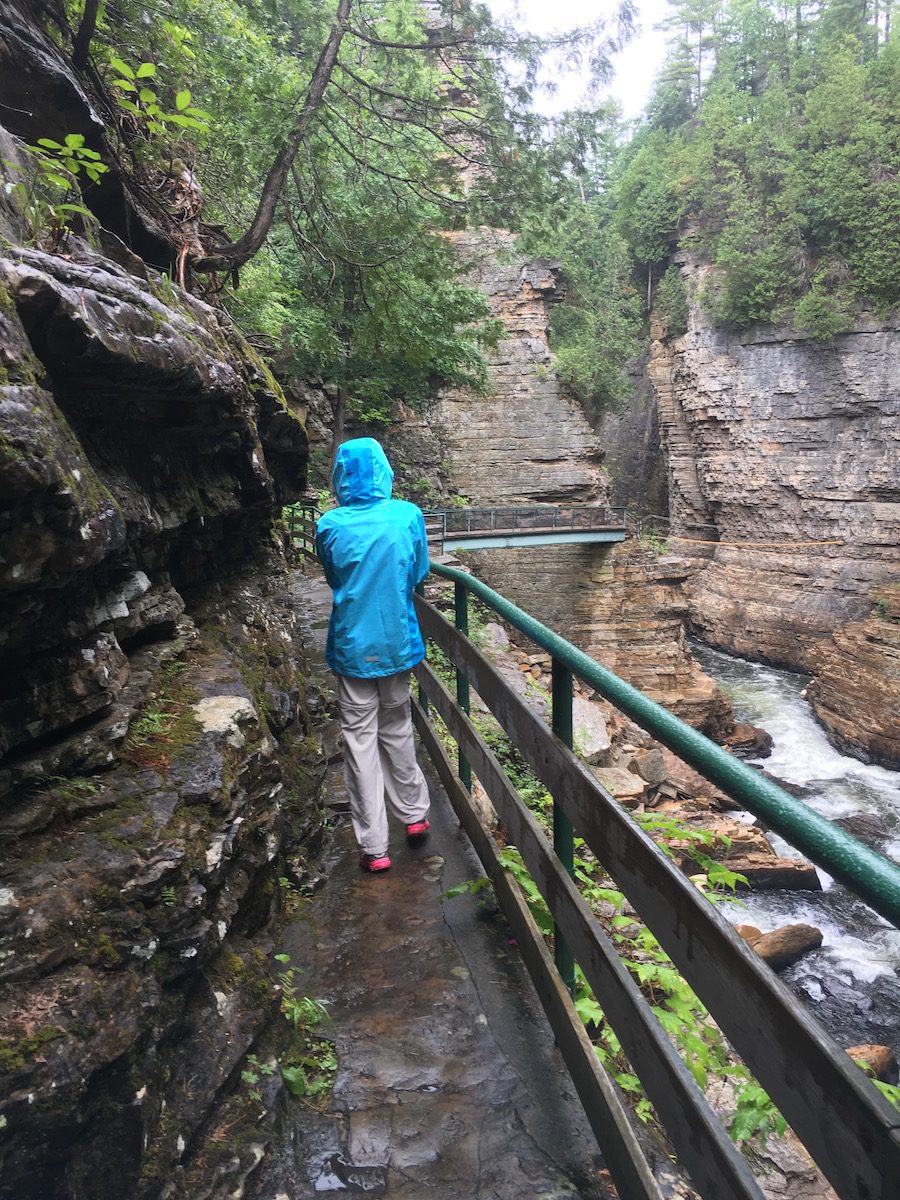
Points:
x=853, y=982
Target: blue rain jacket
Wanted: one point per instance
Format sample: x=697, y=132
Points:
x=374, y=553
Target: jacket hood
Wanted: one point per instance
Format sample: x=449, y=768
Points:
x=362, y=473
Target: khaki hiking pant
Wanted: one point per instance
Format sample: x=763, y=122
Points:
x=380, y=757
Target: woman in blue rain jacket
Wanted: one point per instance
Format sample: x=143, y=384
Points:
x=374, y=553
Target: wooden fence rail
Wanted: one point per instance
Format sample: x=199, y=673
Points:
x=852, y=1133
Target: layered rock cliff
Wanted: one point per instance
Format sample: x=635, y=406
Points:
x=783, y=460
x=856, y=690
x=526, y=442
x=785, y=452
x=149, y=671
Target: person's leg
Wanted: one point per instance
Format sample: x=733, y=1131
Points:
x=359, y=712
x=404, y=783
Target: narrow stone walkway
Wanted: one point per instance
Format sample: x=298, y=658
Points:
x=449, y=1086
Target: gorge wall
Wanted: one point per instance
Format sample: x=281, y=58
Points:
x=149, y=671
x=525, y=442
x=784, y=478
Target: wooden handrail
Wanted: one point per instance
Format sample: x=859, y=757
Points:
x=852, y=1133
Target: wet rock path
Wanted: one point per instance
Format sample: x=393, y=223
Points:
x=448, y=1084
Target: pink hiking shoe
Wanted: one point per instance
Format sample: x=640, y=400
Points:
x=417, y=832
x=373, y=863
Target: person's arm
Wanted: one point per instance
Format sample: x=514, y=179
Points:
x=421, y=566
x=325, y=559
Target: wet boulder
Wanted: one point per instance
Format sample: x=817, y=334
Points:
x=878, y=1061
x=768, y=872
x=787, y=945
x=748, y=741
x=749, y=933
x=650, y=765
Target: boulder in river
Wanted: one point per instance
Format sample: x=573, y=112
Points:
x=865, y=826
x=749, y=933
x=768, y=872
x=787, y=945
x=748, y=741
x=878, y=1061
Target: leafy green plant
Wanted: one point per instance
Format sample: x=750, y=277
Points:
x=755, y=1114
x=154, y=721
x=309, y=1069
x=51, y=200
x=61, y=163
x=292, y=897
x=672, y=303
x=135, y=96
x=890, y=1091
x=302, y=1011
x=253, y=1072
x=651, y=540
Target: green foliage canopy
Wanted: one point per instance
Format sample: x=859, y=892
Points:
x=784, y=160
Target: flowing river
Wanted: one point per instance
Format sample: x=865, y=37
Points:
x=853, y=981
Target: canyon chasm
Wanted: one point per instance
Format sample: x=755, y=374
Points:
x=162, y=734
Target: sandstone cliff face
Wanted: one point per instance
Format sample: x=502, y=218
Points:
x=786, y=452
x=526, y=442
x=856, y=692
x=149, y=670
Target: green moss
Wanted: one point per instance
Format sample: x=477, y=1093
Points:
x=226, y=969
x=165, y=724
x=18, y=1055
x=106, y=950
x=105, y=895
x=113, y=818
x=259, y=983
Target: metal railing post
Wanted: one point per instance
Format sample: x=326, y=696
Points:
x=461, y=614
x=423, y=699
x=563, y=834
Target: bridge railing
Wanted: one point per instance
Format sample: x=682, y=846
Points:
x=300, y=520
x=523, y=519
x=850, y=1130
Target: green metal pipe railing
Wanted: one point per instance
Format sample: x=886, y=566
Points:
x=563, y=833
x=461, y=614
x=872, y=877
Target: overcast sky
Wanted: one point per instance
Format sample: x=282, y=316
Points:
x=635, y=66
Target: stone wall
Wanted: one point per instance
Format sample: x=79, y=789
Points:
x=525, y=441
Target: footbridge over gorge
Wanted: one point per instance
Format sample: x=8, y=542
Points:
x=497, y=528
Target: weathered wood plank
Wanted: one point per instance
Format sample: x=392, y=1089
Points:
x=716, y=1167
x=852, y=1133
x=604, y=1109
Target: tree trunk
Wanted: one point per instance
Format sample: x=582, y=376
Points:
x=341, y=401
x=338, y=423
x=84, y=35
x=227, y=258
